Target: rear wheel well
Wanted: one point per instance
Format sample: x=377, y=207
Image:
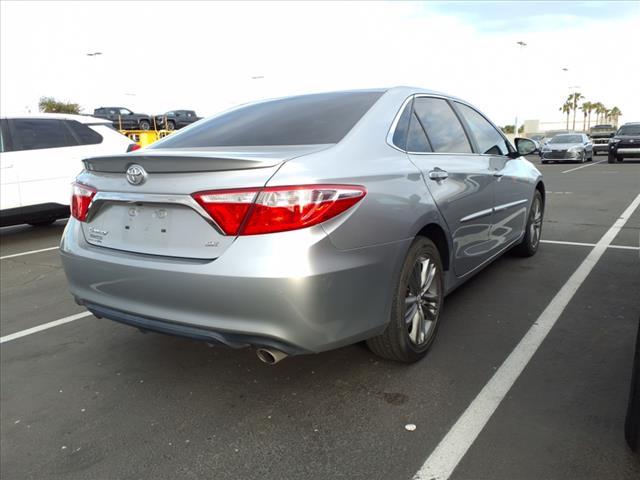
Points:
x=541, y=189
x=436, y=234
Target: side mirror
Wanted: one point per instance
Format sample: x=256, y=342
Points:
x=526, y=146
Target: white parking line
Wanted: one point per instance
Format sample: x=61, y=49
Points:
x=45, y=326
x=580, y=244
x=583, y=166
x=28, y=253
x=444, y=459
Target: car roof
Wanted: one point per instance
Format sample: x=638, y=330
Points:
x=631, y=123
x=88, y=119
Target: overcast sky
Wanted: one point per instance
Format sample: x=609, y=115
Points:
x=159, y=56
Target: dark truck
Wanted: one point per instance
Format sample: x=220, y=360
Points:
x=600, y=135
x=123, y=118
x=176, y=119
x=625, y=143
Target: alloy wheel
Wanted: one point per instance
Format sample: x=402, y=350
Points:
x=422, y=301
x=536, y=222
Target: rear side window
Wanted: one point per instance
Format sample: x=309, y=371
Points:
x=489, y=141
x=84, y=134
x=304, y=120
x=33, y=134
x=402, y=127
x=443, y=128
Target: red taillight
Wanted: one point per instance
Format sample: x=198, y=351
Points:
x=133, y=147
x=81, y=197
x=277, y=209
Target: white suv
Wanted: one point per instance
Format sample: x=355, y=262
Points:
x=41, y=155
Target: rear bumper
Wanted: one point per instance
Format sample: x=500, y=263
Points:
x=294, y=291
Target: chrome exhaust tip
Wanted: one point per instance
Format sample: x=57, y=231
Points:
x=269, y=356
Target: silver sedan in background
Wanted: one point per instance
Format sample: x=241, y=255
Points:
x=568, y=147
x=303, y=224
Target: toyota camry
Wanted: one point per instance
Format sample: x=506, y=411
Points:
x=302, y=224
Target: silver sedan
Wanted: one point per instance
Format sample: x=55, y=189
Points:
x=302, y=224
x=573, y=147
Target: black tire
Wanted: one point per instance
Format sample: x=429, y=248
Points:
x=619, y=159
x=43, y=223
x=632, y=422
x=395, y=342
x=611, y=159
x=144, y=125
x=171, y=125
x=531, y=241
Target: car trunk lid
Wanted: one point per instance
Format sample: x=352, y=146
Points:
x=159, y=216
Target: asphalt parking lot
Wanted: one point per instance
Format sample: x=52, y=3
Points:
x=95, y=399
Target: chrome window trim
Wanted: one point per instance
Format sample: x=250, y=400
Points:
x=101, y=198
x=394, y=124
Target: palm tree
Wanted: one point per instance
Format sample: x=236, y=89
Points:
x=566, y=108
x=573, y=100
x=600, y=110
x=591, y=108
x=586, y=106
x=615, y=114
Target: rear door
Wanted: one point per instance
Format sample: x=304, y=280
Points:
x=460, y=181
x=511, y=194
x=9, y=188
x=46, y=157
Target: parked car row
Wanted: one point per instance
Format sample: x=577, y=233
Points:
x=576, y=146
x=125, y=119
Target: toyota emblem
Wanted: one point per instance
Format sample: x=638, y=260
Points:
x=136, y=175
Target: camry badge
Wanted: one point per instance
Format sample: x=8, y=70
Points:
x=136, y=175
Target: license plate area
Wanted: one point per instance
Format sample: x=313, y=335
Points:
x=155, y=229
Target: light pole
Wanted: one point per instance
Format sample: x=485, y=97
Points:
x=515, y=124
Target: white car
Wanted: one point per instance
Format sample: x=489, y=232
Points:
x=41, y=154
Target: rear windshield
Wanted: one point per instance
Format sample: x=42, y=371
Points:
x=629, y=130
x=566, y=139
x=303, y=120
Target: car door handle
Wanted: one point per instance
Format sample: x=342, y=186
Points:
x=438, y=174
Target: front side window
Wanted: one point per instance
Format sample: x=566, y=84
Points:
x=442, y=126
x=33, y=134
x=305, y=120
x=124, y=111
x=489, y=141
